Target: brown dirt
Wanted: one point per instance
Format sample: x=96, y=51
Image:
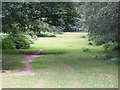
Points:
x=27, y=69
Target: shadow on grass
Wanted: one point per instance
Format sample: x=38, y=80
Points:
x=11, y=60
x=50, y=51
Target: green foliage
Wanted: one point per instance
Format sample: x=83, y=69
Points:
x=31, y=39
x=90, y=43
x=28, y=16
x=100, y=20
x=86, y=50
x=15, y=42
x=46, y=34
x=109, y=47
x=8, y=43
x=112, y=55
x=21, y=42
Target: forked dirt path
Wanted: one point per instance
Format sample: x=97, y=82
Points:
x=27, y=69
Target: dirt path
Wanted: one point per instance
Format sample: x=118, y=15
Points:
x=27, y=69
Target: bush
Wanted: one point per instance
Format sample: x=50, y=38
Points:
x=112, y=52
x=21, y=42
x=46, y=34
x=112, y=57
x=42, y=35
x=31, y=40
x=109, y=47
x=8, y=43
x=90, y=43
x=86, y=50
x=15, y=42
x=100, y=42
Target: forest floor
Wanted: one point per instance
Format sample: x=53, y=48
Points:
x=63, y=65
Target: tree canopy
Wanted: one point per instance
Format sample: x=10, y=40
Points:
x=24, y=16
x=99, y=19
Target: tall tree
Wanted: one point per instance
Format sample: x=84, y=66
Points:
x=22, y=16
x=100, y=20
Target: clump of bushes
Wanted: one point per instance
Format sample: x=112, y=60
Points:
x=32, y=35
x=21, y=42
x=8, y=43
x=110, y=47
x=100, y=42
x=112, y=50
x=112, y=57
x=15, y=42
x=45, y=34
x=90, y=43
x=31, y=39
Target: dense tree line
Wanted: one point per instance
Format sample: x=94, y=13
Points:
x=100, y=20
x=24, y=16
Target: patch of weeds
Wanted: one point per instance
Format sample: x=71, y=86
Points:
x=86, y=50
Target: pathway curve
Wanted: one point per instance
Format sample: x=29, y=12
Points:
x=27, y=69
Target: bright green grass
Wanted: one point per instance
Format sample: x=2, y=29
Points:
x=67, y=49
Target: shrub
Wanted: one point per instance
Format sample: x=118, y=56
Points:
x=90, y=43
x=31, y=40
x=112, y=57
x=45, y=34
x=86, y=50
x=52, y=35
x=21, y=42
x=100, y=42
x=42, y=35
x=8, y=43
x=31, y=33
x=15, y=42
x=109, y=47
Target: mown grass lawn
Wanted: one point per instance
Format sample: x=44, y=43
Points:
x=65, y=65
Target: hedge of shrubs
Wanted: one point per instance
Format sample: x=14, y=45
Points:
x=16, y=42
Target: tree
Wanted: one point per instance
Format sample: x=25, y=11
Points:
x=22, y=16
x=100, y=20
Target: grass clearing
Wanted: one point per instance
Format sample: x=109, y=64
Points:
x=65, y=65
